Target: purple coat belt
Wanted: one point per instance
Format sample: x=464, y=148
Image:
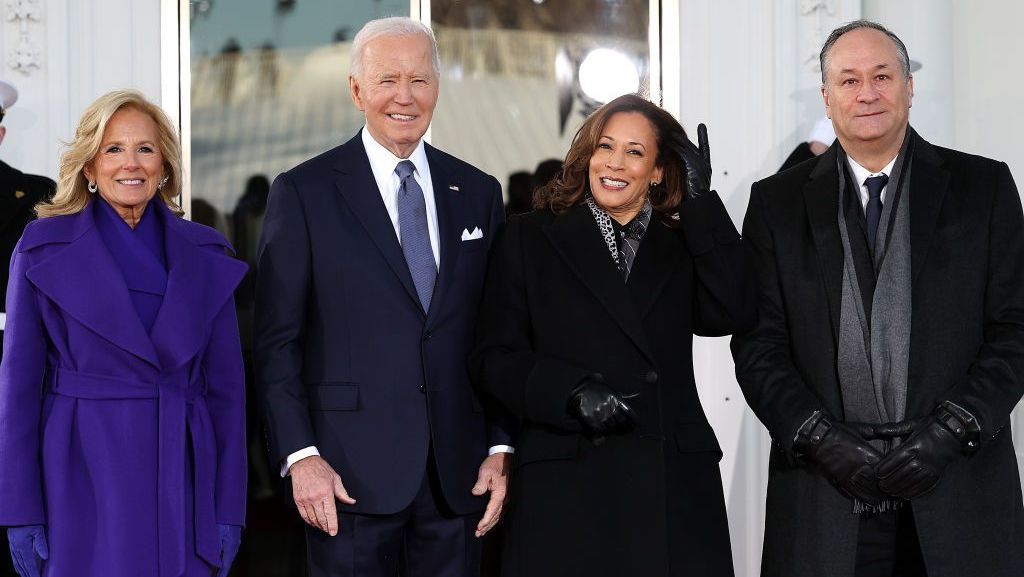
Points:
x=181, y=401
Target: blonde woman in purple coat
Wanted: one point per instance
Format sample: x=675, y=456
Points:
x=121, y=389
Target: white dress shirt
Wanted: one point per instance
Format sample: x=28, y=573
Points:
x=860, y=174
x=383, y=164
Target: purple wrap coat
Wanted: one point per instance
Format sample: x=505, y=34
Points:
x=128, y=446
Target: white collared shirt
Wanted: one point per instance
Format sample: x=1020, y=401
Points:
x=383, y=164
x=860, y=174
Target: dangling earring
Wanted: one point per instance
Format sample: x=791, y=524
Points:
x=92, y=187
x=163, y=181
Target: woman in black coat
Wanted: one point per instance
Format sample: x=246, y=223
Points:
x=585, y=333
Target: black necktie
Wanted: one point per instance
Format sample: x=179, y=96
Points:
x=873, y=212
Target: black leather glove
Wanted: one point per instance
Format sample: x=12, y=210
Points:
x=843, y=455
x=600, y=409
x=915, y=466
x=696, y=160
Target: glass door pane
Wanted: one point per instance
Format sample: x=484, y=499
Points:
x=519, y=76
x=269, y=88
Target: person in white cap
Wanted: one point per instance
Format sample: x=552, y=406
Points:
x=821, y=137
x=19, y=194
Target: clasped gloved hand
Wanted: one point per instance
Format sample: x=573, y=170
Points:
x=600, y=409
x=28, y=549
x=697, y=160
x=230, y=539
x=915, y=466
x=842, y=454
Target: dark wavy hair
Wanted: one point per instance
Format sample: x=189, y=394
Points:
x=571, y=186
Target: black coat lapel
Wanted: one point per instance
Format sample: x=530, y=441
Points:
x=928, y=185
x=200, y=281
x=354, y=180
x=577, y=240
x=449, y=211
x=821, y=197
x=656, y=261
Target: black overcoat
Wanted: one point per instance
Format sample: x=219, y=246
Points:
x=967, y=345
x=555, y=310
x=19, y=194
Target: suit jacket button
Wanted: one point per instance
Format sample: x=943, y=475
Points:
x=426, y=336
x=423, y=388
x=651, y=377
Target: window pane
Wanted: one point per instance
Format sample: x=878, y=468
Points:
x=517, y=81
x=269, y=88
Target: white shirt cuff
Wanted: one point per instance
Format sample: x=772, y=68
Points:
x=296, y=457
x=500, y=449
x=3, y=320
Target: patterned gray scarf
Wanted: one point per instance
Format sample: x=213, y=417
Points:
x=632, y=234
x=874, y=354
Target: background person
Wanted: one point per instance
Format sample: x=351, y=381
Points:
x=19, y=193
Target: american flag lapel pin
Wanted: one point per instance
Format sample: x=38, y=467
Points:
x=453, y=187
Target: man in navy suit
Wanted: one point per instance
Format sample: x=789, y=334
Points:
x=370, y=271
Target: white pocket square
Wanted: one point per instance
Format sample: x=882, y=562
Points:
x=477, y=233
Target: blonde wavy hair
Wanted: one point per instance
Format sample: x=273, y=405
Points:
x=72, y=186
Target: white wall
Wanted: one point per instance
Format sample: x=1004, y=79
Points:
x=87, y=47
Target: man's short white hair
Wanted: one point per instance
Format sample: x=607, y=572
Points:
x=398, y=26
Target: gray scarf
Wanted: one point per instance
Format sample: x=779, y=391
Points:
x=631, y=234
x=874, y=356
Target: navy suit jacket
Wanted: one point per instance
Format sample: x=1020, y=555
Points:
x=346, y=359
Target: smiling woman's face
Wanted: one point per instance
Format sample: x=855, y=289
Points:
x=622, y=166
x=129, y=165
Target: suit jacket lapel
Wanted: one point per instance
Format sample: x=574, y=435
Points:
x=449, y=212
x=928, y=185
x=200, y=282
x=578, y=242
x=354, y=180
x=821, y=197
x=655, y=263
x=106, y=307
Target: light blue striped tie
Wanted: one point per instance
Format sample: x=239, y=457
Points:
x=415, y=237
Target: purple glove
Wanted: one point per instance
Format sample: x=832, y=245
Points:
x=230, y=539
x=28, y=549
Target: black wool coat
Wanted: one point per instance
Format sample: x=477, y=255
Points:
x=967, y=346
x=19, y=194
x=556, y=310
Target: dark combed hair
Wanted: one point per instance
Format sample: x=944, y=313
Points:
x=826, y=49
x=571, y=186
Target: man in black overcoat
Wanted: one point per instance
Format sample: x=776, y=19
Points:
x=889, y=349
x=19, y=194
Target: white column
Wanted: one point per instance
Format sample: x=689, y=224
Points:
x=85, y=48
x=748, y=69
x=926, y=27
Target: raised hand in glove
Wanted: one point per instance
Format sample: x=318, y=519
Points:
x=28, y=549
x=844, y=456
x=600, y=409
x=697, y=160
x=915, y=466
